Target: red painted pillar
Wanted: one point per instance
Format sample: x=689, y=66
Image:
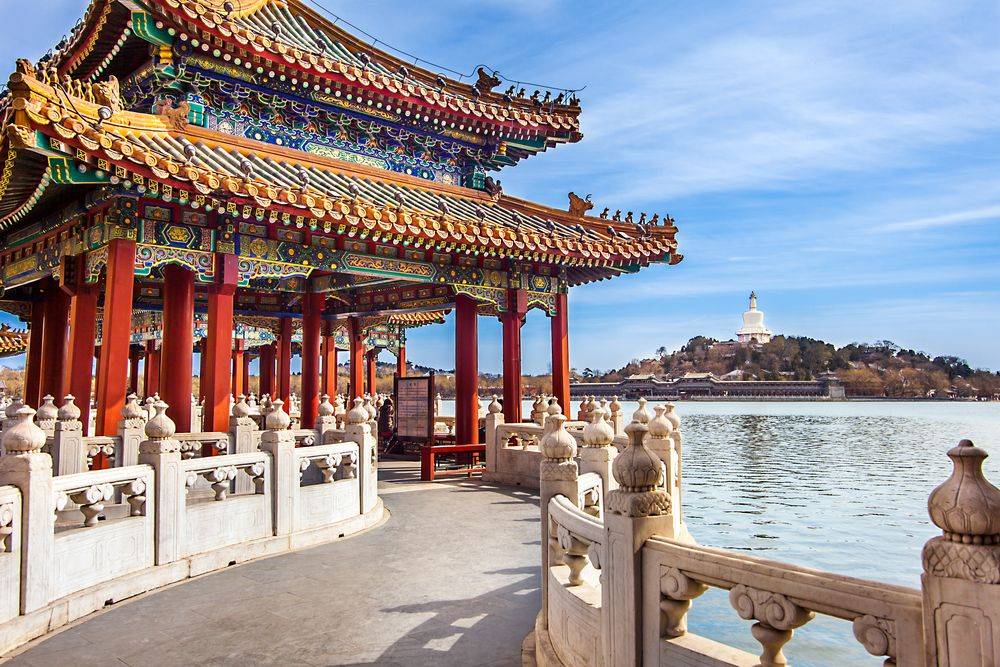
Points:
x=329, y=358
x=285, y=361
x=133, y=371
x=112, y=365
x=247, y=357
x=217, y=345
x=178, y=344
x=238, y=355
x=517, y=307
x=151, y=373
x=466, y=371
x=54, y=337
x=371, y=371
x=356, y=380
x=560, y=353
x=401, y=361
x=267, y=370
x=33, y=367
x=79, y=372
x=312, y=322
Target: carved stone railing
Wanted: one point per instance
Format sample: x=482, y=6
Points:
x=10, y=552
x=651, y=569
x=512, y=450
x=193, y=445
x=101, y=445
x=71, y=543
x=574, y=591
x=80, y=557
x=777, y=597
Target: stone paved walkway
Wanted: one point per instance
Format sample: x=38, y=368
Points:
x=450, y=579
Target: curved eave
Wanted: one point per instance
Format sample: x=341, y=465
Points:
x=148, y=146
x=23, y=180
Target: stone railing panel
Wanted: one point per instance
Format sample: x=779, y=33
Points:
x=778, y=597
x=88, y=552
x=328, y=490
x=574, y=587
x=224, y=518
x=193, y=444
x=10, y=552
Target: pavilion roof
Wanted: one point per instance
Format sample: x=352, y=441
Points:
x=336, y=196
x=289, y=36
x=12, y=342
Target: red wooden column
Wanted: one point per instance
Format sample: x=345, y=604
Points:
x=151, y=372
x=466, y=371
x=401, y=361
x=217, y=345
x=329, y=355
x=560, y=353
x=112, y=365
x=238, y=356
x=371, y=371
x=247, y=357
x=33, y=367
x=178, y=344
x=55, y=333
x=285, y=361
x=79, y=371
x=312, y=323
x=356, y=380
x=267, y=370
x=517, y=307
x=134, y=356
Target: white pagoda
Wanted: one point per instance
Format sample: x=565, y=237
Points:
x=753, y=330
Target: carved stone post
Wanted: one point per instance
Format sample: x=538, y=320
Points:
x=617, y=419
x=359, y=430
x=26, y=467
x=661, y=444
x=131, y=431
x=597, y=454
x=163, y=453
x=558, y=475
x=47, y=416
x=494, y=418
x=961, y=580
x=637, y=510
x=244, y=438
x=280, y=443
x=326, y=419
x=242, y=428
x=68, y=455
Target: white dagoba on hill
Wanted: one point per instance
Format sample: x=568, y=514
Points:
x=753, y=330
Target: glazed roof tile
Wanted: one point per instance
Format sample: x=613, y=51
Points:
x=291, y=34
x=330, y=191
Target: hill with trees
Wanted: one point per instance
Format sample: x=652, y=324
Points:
x=880, y=369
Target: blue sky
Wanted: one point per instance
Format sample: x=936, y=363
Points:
x=841, y=158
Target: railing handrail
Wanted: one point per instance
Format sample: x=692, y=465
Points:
x=93, y=477
x=320, y=451
x=565, y=513
x=837, y=595
x=210, y=462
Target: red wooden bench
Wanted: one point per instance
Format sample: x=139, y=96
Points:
x=428, y=454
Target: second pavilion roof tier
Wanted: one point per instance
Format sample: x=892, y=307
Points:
x=288, y=39
x=94, y=139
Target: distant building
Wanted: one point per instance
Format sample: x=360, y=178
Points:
x=707, y=385
x=753, y=329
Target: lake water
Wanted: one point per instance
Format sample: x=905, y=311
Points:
x=837, y=486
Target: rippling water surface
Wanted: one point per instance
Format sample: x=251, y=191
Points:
x=837, y=486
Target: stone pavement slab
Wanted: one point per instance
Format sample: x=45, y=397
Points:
x=450, y=579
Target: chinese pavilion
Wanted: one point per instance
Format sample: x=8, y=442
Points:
x=225, y=177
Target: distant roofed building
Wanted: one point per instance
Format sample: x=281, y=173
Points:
x=753, y=329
